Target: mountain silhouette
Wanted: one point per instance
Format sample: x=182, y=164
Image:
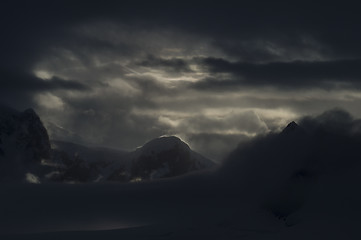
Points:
x=24, y=144
x=26, y=154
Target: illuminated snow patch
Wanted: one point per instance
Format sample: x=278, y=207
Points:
x=137, y=179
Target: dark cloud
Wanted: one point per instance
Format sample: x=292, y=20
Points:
x=313, y=135
x=156, y=61
x=172, y=65
x=332, y=25
x=215, y=146
x=296, y=74
x=284, y=168
x=18, y=89
x=23, y=81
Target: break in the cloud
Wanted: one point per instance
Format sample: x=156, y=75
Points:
x=118, y=74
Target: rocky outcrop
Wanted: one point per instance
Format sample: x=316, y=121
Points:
x=166, y=157
x=24, y=143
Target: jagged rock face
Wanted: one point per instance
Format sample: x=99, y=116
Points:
x=24, y=143
x=25, y=133
x=25, y=149
x=34, y=135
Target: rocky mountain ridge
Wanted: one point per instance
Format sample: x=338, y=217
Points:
x=26, y=153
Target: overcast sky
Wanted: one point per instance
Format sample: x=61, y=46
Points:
x=117, y=74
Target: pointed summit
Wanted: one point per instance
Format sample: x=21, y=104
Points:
x=292, y=126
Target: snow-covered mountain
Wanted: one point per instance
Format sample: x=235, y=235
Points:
x=165, y=157
x=26, y=154
x=302, y=183
x=159, y=158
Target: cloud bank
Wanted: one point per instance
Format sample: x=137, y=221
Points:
x=119, y=74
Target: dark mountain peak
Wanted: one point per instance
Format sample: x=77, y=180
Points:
x=166, y=156
x=166, y=139
x=30, y=115
x=24, y=144
x=164, y=143
x=30, y=111
x=291, y=127
x=25, y=132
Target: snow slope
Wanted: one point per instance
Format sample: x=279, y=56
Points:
x=166, y=157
